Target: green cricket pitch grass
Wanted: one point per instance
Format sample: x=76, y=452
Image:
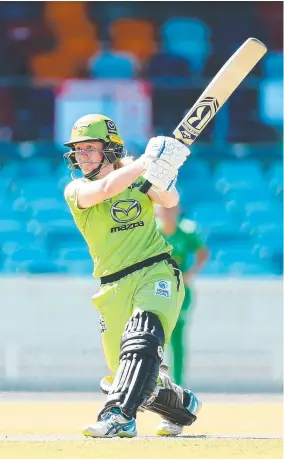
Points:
x=36, y=429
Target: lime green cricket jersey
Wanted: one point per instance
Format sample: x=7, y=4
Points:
x=119, y=231
x=185, y=240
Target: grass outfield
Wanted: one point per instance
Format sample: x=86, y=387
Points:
x=38, y=419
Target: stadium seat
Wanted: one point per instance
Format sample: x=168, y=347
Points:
x=74, y=254
x=274, y=177
x=259, y=206
x=19, y=260
x=20, y=11
x=214, y=268
x=8, y=150
x=76, y=260
x=60, y=237
x=28, y=254
x=8, y=212
x=227, y=235
x=269, y=243
x=6, y=116
x=270, y=15
x=250, y=269
x=246, y=169
x=184, y=28
x=243, y=196
x=269, y=210
x=231, y=175
x=195, y=170
x=12, y=241
x=237, y=254
x=194, y=192
x=35, y=168
x=113, y=65
x=259, y=222
x=166, y=65
x=37, y=189
x=77, y=41
x=211, y=215
x=188, y=38
x=10, y=225
x=78, y=268
x=45, y=216
x=4, y=189
x=133, y=36
x=25, y=37
x=273, y=65
x=45, y=267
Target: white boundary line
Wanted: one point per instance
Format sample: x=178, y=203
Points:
x=66, y=437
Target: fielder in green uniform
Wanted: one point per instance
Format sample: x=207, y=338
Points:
x=185, y=240
x=142, y=289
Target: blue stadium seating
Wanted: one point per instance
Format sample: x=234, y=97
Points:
x=113, y=65
x=241, y=220
x=275, y=177
x=166, y=65
x=188, y=38
x=273, y=65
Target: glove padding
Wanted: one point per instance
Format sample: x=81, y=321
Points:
x=161, y=174
x=167, y=148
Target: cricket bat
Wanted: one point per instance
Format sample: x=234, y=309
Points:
x=217, y=92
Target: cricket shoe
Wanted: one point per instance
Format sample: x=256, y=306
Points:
x=170, y=429
x=112, y=424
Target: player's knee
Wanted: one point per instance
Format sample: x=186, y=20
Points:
x=143, y=334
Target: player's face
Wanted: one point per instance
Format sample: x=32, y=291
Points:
x=89, y=155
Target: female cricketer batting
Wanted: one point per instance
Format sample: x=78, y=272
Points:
x=185, y=240
x=141, y=291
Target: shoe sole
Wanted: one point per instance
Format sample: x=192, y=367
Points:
x=165, y=433
x=121, y=435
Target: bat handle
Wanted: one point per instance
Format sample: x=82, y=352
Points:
x=145, y=187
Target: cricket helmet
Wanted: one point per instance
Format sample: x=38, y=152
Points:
x=96, y=127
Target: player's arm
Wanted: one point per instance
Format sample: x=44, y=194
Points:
x=164, y=198
x=160, y=160
x=195, y=245
x=92, y=193
x=201, y=257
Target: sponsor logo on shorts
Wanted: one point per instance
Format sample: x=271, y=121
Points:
x=163, y=288
x=160, y=352
x=129, y=226
x=103, y=327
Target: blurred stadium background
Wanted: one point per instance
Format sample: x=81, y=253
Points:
x=143, y=64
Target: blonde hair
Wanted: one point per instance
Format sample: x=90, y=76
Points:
x=123, y=162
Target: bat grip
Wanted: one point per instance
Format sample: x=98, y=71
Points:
x=145, y=187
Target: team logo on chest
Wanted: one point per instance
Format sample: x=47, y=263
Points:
x=124, y=211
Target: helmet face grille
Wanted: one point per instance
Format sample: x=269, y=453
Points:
x=91, y=128
x=112, y=152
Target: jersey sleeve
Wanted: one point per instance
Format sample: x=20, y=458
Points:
x=71, y=196
x=193, y=238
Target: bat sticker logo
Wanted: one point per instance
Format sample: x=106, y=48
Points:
x=203, y=113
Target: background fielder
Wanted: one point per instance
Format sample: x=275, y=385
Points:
x=182, y=234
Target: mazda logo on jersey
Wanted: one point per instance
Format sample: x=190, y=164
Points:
x=124, y=211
